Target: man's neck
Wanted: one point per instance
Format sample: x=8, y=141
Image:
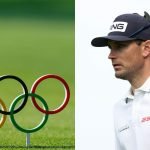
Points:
x=138, y=82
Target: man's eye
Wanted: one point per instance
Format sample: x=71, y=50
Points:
x=117, y=47
x=120, y=46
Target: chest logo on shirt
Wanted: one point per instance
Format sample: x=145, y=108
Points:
x=145, y=119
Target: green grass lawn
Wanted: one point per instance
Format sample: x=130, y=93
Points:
x=30, y=49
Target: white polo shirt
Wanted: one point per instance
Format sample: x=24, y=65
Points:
x=132, y=120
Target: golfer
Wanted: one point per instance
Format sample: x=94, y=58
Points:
x=129, y=43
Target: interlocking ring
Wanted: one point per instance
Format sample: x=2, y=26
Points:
x=3, y=118
x=38, y=127
x=67, y=93
x=25, y=95
x=25, y=91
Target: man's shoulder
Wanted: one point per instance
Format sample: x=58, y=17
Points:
x=125, y=99
x=119, y=105
x=119, y=109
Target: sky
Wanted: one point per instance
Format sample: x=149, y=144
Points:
x=97, y=90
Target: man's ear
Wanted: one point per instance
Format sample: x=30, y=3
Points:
x=146, y=48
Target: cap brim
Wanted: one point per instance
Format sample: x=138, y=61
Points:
x=103, y=41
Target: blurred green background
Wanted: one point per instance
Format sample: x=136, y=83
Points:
x=37, y=38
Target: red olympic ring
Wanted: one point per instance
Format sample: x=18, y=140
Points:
x=67, y=93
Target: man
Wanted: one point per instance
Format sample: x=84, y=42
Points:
x=129, y=43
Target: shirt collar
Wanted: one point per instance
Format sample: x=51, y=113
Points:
x=145, y=88
x=128, y=96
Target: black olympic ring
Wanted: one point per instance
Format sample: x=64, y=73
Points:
x=25, y=92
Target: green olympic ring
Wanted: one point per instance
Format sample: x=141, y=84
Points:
x=41, y=124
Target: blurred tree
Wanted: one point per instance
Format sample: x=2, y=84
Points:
x=37, y=8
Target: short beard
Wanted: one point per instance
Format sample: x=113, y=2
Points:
x=123, y=77
x=130, y=75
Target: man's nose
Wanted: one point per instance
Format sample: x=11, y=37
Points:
x=112, y=54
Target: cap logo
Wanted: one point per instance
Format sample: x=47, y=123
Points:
x=118, y=26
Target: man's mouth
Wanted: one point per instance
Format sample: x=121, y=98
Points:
x=117, y=66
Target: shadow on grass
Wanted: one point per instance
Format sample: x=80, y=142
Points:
x=35, y=146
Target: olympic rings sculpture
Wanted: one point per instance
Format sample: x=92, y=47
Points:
x=33, y=95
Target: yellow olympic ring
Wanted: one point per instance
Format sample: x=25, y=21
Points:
x=3, y=118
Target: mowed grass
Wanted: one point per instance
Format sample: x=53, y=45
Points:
x=30, y=49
